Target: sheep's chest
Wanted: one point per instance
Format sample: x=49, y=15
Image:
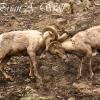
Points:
x=40, y=47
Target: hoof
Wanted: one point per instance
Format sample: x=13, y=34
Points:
x=78, y=77
x=32, y=77
x=35, y=77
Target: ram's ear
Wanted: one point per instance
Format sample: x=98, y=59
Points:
x=63, y=37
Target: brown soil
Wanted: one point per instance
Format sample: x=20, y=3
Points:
x=58, y=77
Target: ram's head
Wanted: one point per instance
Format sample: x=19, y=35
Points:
x=56, y=49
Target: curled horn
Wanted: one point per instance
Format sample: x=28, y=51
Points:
x=53, y=30
x=63, y=37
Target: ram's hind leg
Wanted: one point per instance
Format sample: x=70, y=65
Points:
x=80, y=70
x=2, y=65
x=90, y=69
x=31, y=69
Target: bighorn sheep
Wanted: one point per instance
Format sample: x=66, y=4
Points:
x=28, y=42
x=83, y=43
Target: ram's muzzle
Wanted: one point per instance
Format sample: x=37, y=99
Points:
x=56, y=49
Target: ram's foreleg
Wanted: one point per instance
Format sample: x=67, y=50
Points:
x=2, y=65
x=43, y=55
x=33, y=64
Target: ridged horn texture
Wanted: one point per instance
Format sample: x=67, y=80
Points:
x=53, y=45
x=63, y=37
x=53, y=30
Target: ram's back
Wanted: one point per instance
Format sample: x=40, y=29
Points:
x=16, y=41
x=90, y=36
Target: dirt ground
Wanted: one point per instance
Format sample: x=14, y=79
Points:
x=59, y=81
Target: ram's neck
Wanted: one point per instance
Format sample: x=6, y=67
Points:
x=68, y=46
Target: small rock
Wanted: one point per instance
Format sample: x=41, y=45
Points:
x=71, y=98
x=97, y=91
x=1, y=96
x=43, y=98
x=31, y=92
x=44, y=67
x=13, y=17
x=83, y=87
x=26, y=98
x=59, y=97
x=61, y=20
x=28, y=88
x=27, y=80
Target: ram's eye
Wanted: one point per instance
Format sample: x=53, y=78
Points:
x=54, y=44
x=55, y=50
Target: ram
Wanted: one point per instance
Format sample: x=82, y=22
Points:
x=28, y=42
x=83, y=44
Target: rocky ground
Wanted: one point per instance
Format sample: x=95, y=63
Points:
x=59, y=81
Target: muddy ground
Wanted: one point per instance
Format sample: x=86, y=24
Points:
x=59, y=81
